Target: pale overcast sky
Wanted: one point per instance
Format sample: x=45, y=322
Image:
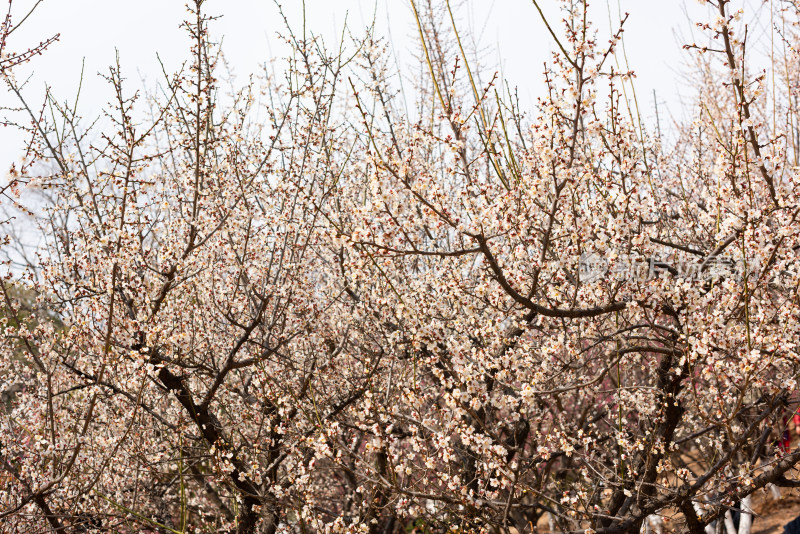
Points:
x=510, y=30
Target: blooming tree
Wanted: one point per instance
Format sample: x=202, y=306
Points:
x=298, y=308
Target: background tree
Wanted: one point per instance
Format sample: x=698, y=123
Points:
x=297, y=308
